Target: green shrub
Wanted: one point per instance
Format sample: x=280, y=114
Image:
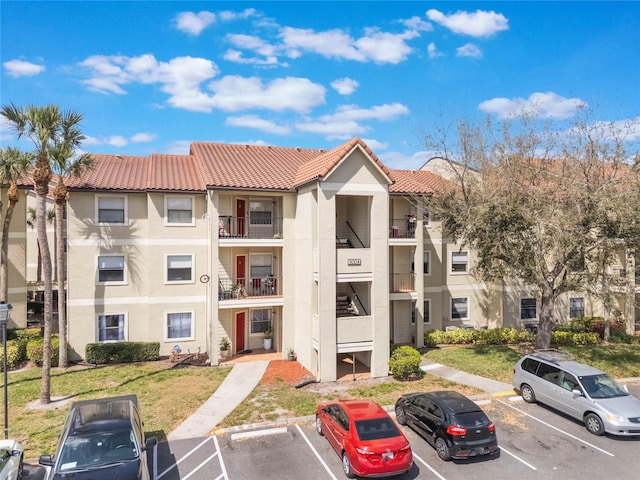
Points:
x=405, y=362
x=561, y=338
x=124, y=352
x=34, y=350
x=15, y=354
x=493, y=336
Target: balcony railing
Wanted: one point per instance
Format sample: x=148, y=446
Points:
x=403, y=227
x=402, y=282
x=237, y=288
x=248, y=227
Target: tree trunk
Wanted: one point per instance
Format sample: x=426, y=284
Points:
x=61, y=277
x=543, y=337
x=4, y=257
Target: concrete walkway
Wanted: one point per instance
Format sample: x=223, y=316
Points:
x=240, y=382
x=490, y=386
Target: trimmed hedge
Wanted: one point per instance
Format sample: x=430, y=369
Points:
x=15, y=354
x=122, y=352
x=405, y=362
x=34, y=350
x=494, y=336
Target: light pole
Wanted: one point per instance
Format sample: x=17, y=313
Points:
x=5, y=312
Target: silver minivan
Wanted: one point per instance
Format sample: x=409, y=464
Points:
x=552, y=377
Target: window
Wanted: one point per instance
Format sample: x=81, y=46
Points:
x=576, y=307
x=425, y=217
x=426, y=257
x=260, y=266
x=459, y=262
x=179, y=210
x=111, y=210
x=427, y=311
x=260, y=319
x=111, y=328
x=179, y=268
x=179, y=326
x=459, y=308
x=528, y=308
x=260, y=212
x=549, y=373
x=111, y=268
x=530, y=365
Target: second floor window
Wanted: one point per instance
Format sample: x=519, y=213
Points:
x=111, y=268
x=111, y=210
x=426, y=257
x=576, y=307
x=179, y=210
x=179, y=268
x=459, y=261
x=260, y=212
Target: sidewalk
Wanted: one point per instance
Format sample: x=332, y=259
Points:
x=490, y=386
x=242, y=379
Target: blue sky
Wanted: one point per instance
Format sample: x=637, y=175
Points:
x=152, y=77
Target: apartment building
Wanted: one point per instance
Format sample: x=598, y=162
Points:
x=329, y=249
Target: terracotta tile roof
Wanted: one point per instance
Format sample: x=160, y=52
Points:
x=113, y=172
x=322, y=165
x=250, y=166
x=416, y=181
x=174, y=172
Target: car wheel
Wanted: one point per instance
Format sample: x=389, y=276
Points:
x=346, y=466
x=594, y=424
x=400, y=415
x=319, y=426
x=442, y=450
x=527, y=393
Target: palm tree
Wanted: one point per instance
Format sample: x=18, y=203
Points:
x=31, y=222
x=64, y=165
x=49, y=129
x=13, y=163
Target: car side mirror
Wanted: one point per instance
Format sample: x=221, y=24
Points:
x=577, y=391
x=150, y=443
x=16, y=453
x=46, y=460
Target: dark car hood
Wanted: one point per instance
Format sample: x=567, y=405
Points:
x=118, y=471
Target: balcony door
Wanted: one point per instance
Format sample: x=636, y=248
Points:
x=241, y=325
x=241, y=212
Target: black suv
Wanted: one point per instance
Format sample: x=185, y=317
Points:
x=102, y=439
x=455, y=426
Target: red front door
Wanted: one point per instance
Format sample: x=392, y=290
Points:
x=241, y=268
x=240, y=326
x=241, y=211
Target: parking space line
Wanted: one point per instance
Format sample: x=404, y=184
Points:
x=222, y=465
x=557, y=429
x=517, y=458
x=259, y=433
x=175, y=464
x=316, y=453
x=199, y=466
x=416, y=457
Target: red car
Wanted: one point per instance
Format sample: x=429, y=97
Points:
x=365, y=437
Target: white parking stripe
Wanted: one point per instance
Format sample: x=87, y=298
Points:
x=222, y=465
x=317, y=454
x=557, y=429
x=517, y=458
x=416, y=457
x=174, y=465
x=199, y=467
x=259, y=433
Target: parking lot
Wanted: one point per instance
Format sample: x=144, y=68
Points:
x=535, y=442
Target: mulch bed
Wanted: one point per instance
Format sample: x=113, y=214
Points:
x=287, y=371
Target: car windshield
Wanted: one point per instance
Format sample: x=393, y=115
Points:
x=92, y=450
x=602, y=386
x=471, y=419
x=376, y=428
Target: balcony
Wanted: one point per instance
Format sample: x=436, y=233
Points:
x=230, y=227
x=403, y=227
x=353, y=330
x=402, y=282
x=239, y=288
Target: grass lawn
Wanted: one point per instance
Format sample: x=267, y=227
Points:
x=166, y=395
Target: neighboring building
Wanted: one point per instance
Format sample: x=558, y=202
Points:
x=327, y=248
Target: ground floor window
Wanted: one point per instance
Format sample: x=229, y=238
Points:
x=427, y=311
x=459, y=308
x=576, y=307
x=111, y=327
x=260, y=320
x=179, y=325
x=528, y=309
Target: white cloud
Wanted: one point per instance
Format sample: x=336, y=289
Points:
x=229, y=15
x=143, y=137
x=253, y=121
x=543, y=105
x=117, y=141
x=345, y=86
x=234, y=93
x=416, y=23
x=194, y=23
x=179, y=147
x=433, y=52
x=375, y=145
x=476, y=24
x=469, y=50
x=20, y=68
x=333, y=130
x=384, y=112
x=402, y=161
